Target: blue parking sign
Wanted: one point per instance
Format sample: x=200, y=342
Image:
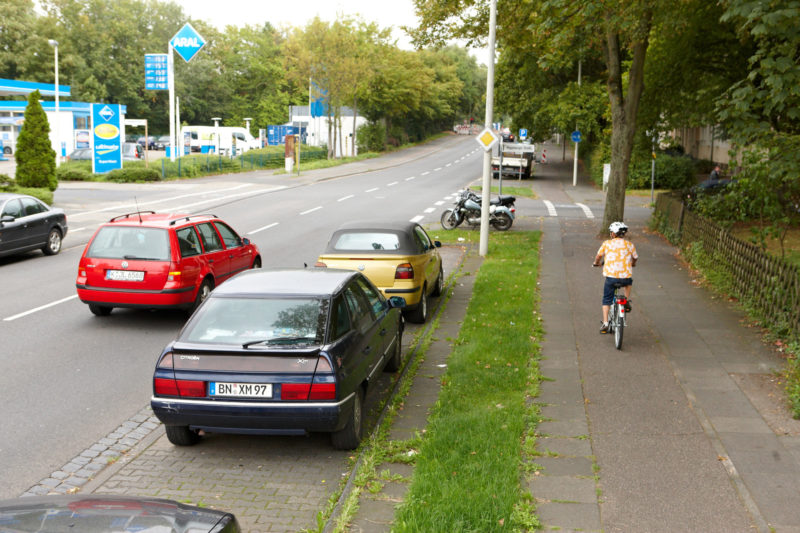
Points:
x=523, y=133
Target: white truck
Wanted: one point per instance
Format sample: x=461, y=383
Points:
x=516, y=159
x=221, y=139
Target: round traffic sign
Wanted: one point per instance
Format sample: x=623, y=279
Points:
x=576, y=136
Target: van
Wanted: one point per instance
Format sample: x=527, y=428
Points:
x=204, y=139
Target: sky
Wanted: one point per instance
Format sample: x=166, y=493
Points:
x=387, y=13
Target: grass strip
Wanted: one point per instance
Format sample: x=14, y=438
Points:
x=467, y=475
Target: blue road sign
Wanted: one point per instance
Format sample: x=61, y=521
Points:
x=156, y=72
x=576, y=136
x=187, y=42
x=107, y=139
x=523, y=133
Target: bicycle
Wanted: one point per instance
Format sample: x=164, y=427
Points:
x=616, y=315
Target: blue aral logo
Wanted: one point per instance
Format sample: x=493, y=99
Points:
x=187, y=42
x=107, y=113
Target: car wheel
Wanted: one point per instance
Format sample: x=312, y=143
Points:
x=396, y=361
x=7, y=150
x=439, y=287
x=202, y=293
x=349, y=437
x=257, y=263
x=182, y=435
x=420, y=314
x=100, y=310
x=53, y=245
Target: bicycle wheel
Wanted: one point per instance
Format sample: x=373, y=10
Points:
x=619, y=327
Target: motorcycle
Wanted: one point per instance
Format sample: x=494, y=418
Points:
x=468, y=208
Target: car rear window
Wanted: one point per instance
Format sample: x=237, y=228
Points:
x=130, y=242
x=367, y=241
x=273, y=321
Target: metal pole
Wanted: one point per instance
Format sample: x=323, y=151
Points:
x=54, y=44
x=575, y=160
x=171, y=85
x=487, y=154
x=178, y=138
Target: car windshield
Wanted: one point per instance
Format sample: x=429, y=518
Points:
x=130, y=242
x=257, y=322
x=367, y=241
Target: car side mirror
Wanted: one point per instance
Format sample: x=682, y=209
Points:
x=437, y=244
x=7, y=218
x=245, y=241
x=398, y=302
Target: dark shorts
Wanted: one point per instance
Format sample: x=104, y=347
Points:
x=608, y=288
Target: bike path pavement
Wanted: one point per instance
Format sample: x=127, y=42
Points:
x=659, y=436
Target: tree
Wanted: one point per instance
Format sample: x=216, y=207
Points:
x=36, y=159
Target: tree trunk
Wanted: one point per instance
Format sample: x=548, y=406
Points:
x=341, y=148
x=624, y=109
x=330, y=144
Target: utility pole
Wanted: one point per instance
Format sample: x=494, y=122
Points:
x=575, y=160
x=487, y=155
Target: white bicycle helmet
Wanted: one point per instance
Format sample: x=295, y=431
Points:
x=618, y=228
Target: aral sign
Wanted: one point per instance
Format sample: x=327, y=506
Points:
x=187, y=42
x=107, y=137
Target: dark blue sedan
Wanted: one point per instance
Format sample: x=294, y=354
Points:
x=27, y=223
x=279, y=352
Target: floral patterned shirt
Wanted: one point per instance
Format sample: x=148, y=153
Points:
x=619, y=255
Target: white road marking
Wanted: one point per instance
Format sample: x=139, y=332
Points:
x=263, y=228
x=392, y=184
x=430, y=210
x=372, y=189
x=307, y=211
x=71, y=230
x=551, y=209
x=586, y=210
x=343, y=198
x=425, y=173
x=448, y=164
x=31, y=311
x=437, y=169
x=417, y=218
x=171, y=198
x=411, y=178
x=440, y=202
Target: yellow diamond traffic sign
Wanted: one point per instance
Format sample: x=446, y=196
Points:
x=487, y=139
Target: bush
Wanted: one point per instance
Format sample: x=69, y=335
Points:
x=672, y=172
x=73, y=173
x=36, y=159
x=128, y=175
x=371, y=137
x=8, y=185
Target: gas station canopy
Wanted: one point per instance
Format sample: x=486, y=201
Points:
x=16, y=88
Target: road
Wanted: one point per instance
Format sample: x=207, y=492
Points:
x=71, y=378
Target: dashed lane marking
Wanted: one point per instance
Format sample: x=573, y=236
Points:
x=417, y=218
x=372, y=189
x=343, y=198
x=430, y=210
x=263, y=228
x=307, y=211
x=41, y=307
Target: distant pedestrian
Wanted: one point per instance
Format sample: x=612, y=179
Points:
x=618, y=257
x=714, y=176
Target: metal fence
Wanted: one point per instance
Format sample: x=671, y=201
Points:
x=769, y=285
x=205, y=164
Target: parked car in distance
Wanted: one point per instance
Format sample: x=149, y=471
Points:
x=81, y=154
x=279, y=352
x=151, y=142
x=398, y=257
x=106, y=513
x=27, y=223
x=162, y=142
x=148, y=260
x=132, y=152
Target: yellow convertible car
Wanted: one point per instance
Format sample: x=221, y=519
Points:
x=398, y=257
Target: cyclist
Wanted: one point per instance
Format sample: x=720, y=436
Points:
x=618, y=257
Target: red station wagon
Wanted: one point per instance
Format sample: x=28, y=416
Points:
x=148, y=260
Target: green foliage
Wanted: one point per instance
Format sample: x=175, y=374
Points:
x=74, y=171
x=672, y=172
x=792, y=375
x=36, y=159
x=43, y=194
x=133, y=174
x=371, y=137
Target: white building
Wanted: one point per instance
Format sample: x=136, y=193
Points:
x=317, y=128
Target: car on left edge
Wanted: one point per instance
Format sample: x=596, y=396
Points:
x=27, y=223
x=106, y=513
x=279, y=352
x=151, y=260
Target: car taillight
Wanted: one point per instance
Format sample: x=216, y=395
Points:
x=308, y=391
x=320, y=264
x=404, y=271
x=174, y=276
x=179, y=387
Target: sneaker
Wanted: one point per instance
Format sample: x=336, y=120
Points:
x=628, y=306
x=604, y=329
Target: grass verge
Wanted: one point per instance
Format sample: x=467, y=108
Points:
x=467, y=475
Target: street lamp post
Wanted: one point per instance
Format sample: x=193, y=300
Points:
x=54, y=44
x=216, y=133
